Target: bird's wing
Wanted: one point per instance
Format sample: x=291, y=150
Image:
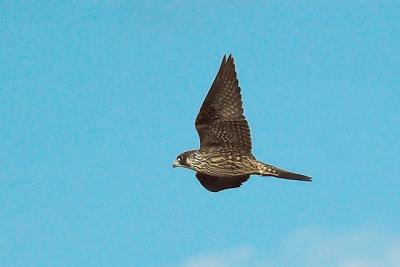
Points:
x=220, y=121
x=215, y=184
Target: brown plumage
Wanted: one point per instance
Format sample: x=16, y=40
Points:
x=224, y=159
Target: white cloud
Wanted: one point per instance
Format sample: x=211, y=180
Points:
x=312, y=249
x=228, y=258
x=362, y=248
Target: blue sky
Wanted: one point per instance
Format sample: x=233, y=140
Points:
x=97, y=98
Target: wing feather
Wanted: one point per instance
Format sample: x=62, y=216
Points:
x=220, y=121
x=215, y=184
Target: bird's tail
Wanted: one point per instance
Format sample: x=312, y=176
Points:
x=268, y=170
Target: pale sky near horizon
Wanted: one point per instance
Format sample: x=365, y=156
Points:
x=97, y=98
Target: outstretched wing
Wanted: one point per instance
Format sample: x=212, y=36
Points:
x=220, y=121
x=215, y=184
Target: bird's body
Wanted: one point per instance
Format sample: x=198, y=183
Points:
x=224, y=159
x=221, y=162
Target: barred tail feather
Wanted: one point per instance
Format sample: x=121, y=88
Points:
x=268, y=170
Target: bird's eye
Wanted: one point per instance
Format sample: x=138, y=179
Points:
x=179, y=158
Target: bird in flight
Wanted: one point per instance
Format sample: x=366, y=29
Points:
x=224, y=159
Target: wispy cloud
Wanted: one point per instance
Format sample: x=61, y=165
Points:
x=313, y=249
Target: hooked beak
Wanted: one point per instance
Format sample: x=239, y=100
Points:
x=176, y=164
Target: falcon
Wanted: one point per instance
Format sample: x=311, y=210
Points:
x=224, y=159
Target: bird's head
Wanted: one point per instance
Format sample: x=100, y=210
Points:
x=184, y=160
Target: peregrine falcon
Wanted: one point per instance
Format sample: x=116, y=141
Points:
x=224, y=159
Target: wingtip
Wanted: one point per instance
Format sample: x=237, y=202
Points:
x=223, y=60
x=230, y=57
